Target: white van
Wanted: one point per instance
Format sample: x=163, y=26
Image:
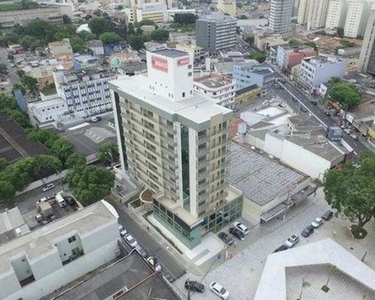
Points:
x=60, y=200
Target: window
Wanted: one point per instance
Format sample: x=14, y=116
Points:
x=183, y=95
x=71, y=239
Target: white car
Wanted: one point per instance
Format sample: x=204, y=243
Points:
x=218, y=290
x=151, y=261
x=130, y=240
x=48, y=187
x=241, y=227
x=292, y=240
x=317, y=222
x=354, y=137
x=123, y=232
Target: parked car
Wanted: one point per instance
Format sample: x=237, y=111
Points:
x=237, y=233
x=38, y=217
x=327, y=215
x=195, y=286
x=314, y=102
x=130, y=240
x=241, y=227
x=281, y=248
x=70, y=200
x=226, y=238
x=307, y=231
x=123, y=231
x=95, y=119
x=304, y=109
x=48, y=187
x=140, y=251
x=347, y=130
x=317, y=222
x=218, y=290
x=151, y=261
x=292, y=240
x=354, y=137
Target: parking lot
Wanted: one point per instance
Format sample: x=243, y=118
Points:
x=241, y=273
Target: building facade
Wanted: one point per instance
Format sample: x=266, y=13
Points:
x=319, y=69
x=366, y=61
x=288, y=57
x=317, y=13
x=38, y=263
x=280, y=15
x=216, y=32
x=85, y=92
x=247, y=95
x=156, y=12
x=249, y=74
x=218, y=87
x=175, y=141
x=336, y=15
x=228, y=7
x=356, y=18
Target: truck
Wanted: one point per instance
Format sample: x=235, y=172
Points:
x=60, y=200
x=45, y=209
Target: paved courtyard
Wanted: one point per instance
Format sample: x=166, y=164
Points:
x=241, y=273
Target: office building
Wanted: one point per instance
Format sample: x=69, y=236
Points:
x=44, y=260
x=247, y=74
x=175, y=142
x=336, y=15
x=288, y=57
x=356, y=18
x=319, y=69
x=366, y=61
x=228, y=7
x=280, y=15
x=85, y=92
x=302, y=12
x=216, y=32
x=51, y=15
x=218, y=87
x=197, y=51
x=156, y=12
x=313, y=13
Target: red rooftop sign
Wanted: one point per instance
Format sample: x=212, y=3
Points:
x=183, y=61
x=159, y=63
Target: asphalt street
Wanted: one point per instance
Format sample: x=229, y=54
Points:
x=12, y=72
x=171, y=268
x=316, y=111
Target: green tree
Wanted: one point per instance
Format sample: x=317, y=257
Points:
x=20, y=117
x=185, y=19
x=19, y=174
x=90, y=184
x=351, y=190
x=30, y=84
x=136, y=42
x=77, y=44
x=7, y=102
x=3, y=68
x=145, y=22
x=3, y=163
x=110, y=38
x=312, y=45
x=160, y=35
x=250, y=39
x=62, y=148
x=340, y=31
x=7, y=190
x=46, y=137
x=18, y=86
x=243, y=17
x=131, y=30
x=39, y=28
x=45, y=165
x=344, y=93
x=100, y=25
x=66, y=19
x=108, y=152
x=87, y=36
x=258, y=55
x=28, y=41
x=75, y=160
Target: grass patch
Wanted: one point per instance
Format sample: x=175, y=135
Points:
x=136, y=203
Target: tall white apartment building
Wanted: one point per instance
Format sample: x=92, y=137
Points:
x=174, y=141
x=336, y=15
x=366, y=61
x=219, y=87
x=85, y=92
x=317, y=13
x=280, y=15
x=356, y=18
x=42, y=261
x=303, y=12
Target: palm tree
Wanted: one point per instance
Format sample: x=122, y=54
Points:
x=305, y=284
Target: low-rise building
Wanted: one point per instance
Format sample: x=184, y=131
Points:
x=84, y=61
x=247, y=74
x=41, y=71
x=156, y=12
x=116, y=60
x=85, y=92
x=198, y=52
x=181, y=37
x=218, y=87
x=12, y=225
x=50, y=14
x=319, y=69
x=227, y=7
x=288, y=57
x=247, y=95
x=47, y=114
x=63, y=52
x=95, y=47
x=38, y=263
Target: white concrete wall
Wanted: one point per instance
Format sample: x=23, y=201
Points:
x=304, y=160
x=254, y=141
x=273, y=146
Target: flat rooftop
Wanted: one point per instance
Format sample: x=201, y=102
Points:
x=213, y=82
x=260, y=178
x=131, y=273
x=14, y=144
x=198, y=108
x=40, y=241
x=173, y=53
